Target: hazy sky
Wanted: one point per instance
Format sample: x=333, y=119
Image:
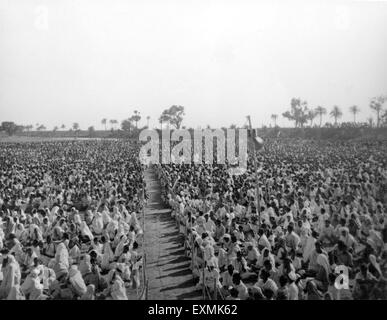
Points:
x=66, y=61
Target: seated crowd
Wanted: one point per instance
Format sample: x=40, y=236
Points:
x=320, y=231
x=68, y=220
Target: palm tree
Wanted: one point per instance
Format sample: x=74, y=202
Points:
x=274, y=118
x=354, y=110
x=147, y=121
x=370, y=121
x=136, y=117
x=320, y=111
x=311, y=115
x=104, y=121
x=112, y=122
x=336, y=113
x=376, y=105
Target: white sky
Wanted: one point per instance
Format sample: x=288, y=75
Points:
x=222, y=60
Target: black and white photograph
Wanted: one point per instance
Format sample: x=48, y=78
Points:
x=207, y=150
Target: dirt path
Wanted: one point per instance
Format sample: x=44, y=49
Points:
x=167, y=267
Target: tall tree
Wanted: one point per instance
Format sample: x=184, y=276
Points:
x=336, y=113
x=127, y=125
x=62, y=126
x=311, y=115
x=9, y=127
x=320, y=111
x=104, y=121
x=376, y=104
x=112, y=123
x=274, y=117
x=354, y=110
x=136, y=117
x=55, y=129
x=173, y=115
x=298, y=112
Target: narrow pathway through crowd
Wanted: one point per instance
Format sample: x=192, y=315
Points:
x=167, y=266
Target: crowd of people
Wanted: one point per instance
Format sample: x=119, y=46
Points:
x=318, y=229
x=70, y=225
x=69, y=220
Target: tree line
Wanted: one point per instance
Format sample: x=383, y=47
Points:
x=170, y=116
x=301, y=113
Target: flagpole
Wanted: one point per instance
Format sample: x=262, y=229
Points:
x=257, y=191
